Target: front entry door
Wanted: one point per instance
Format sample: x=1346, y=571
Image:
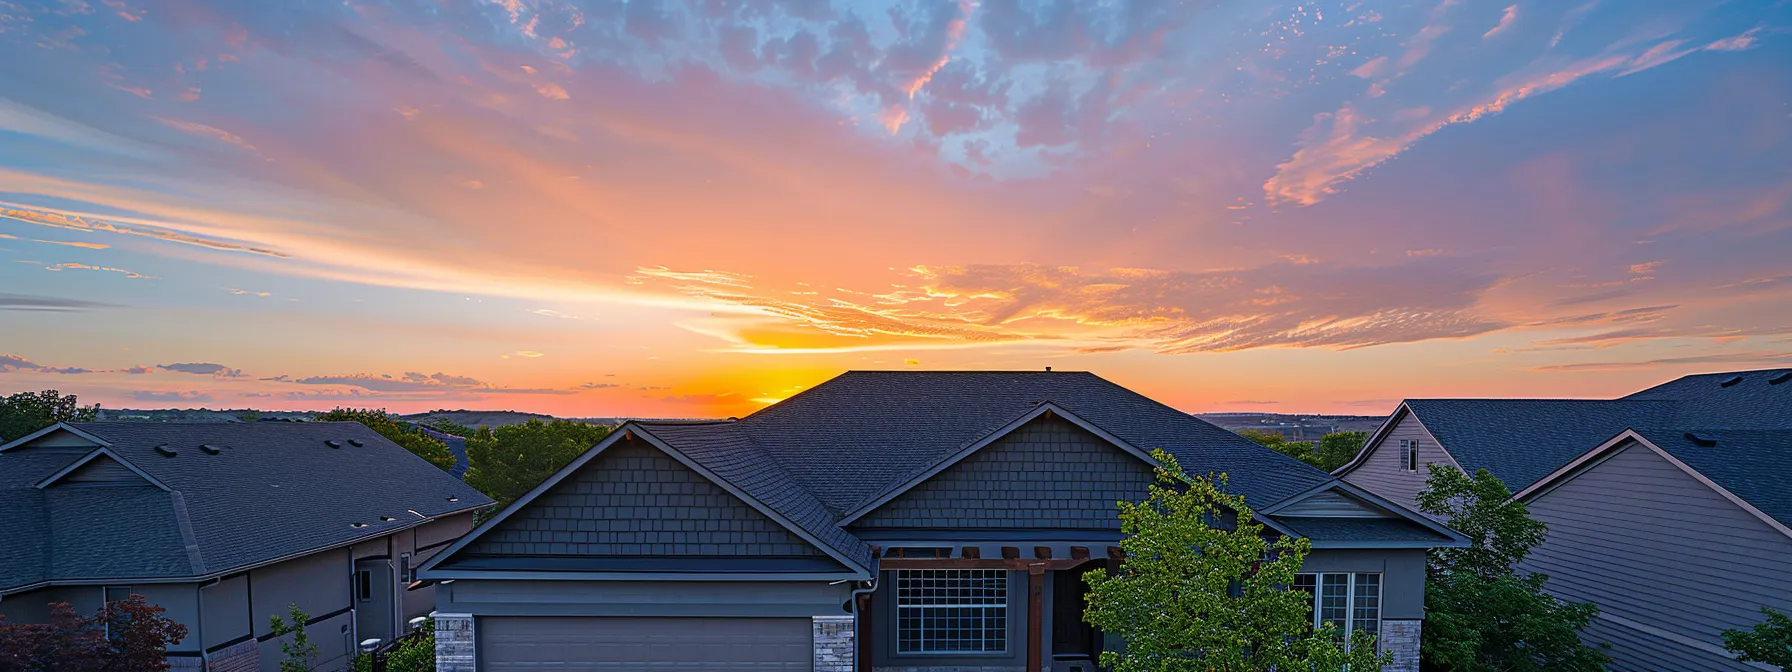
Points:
x=372, y=587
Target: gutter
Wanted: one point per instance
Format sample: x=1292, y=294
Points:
x=233, y=570
x=205, y=657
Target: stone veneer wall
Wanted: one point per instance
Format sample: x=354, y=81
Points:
x=1401, y=638
x=834, y=643
x=455, y=646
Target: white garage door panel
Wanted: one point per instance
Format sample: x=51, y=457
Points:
x=541, y=644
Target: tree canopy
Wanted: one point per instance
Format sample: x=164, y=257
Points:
x=27, y=412
x=1202, y=588
x=505, y=463
x=414, y=440
x=128, y=635
x=1332, y=451
x=1770, y=641
x=1481, y=615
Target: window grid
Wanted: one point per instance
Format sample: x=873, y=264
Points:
x=1348, y=601
x=951, y=611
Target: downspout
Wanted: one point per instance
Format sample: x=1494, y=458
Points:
x=205, y=657
x=867, y=587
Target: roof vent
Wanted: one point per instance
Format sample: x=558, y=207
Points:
x=356, y=443
x=333, y=443
x=357, y=525
x=453, y=499
x=387, y=519
x=1732, y=380
x=1783, y=377
x=1701, y=440
x=166, y=451
x=209, y=449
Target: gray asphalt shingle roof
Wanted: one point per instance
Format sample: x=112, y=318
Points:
x=1524, y=440
x=274, y=490
x=863, y=433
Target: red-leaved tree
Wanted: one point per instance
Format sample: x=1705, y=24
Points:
x=124, y=636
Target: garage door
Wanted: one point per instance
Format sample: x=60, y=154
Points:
x=518, y=644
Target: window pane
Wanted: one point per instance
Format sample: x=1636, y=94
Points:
x=1309, y=584
x=1366, y=612
x=947, y=611
x=1334, y=600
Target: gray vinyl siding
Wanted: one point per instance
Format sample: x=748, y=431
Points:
x=1632, y=649
x=225, y=608
x=102, y=470
x=1381, y=471
x=1330, y=504
x=1048, y=473
x=633, y=500
x=1649, y=543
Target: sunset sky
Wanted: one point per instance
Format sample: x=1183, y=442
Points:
x=653, y=208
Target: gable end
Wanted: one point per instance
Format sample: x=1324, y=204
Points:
x=1048, y=473
x=633, y=500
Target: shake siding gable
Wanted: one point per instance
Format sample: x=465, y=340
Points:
x=1651, y=544
x=1384, y=473
x=634, y=500
x=1046, y=474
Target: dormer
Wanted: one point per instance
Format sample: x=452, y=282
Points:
x=60, y=437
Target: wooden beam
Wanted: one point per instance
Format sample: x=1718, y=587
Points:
x=1114, y=553
x=1079, y=552
x=862, y=644
x=971, y=552
x=1014, y=564
x=1010, y=552
x=1035, y=621
x=1042, y=552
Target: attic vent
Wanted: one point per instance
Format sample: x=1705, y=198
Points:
x=453, y=499
x=1732, y=380
x=1783, y=377
x=166, y=451
x=209, y=449
x=1701, y=440
x=357, y=525
x=387, y=519
x=333, y=443
x=356, y=443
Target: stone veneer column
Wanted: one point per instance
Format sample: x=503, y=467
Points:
x=1401, y=638
x=833, y=643
x=456, y=650
x=243, y=656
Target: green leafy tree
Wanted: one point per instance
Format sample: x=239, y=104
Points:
x=1197, y=593
x=447, y=426
x=299, y=652
x=1480, y=614
x=423, y=445
x=1339, y=448
x=27, y=412
x=415, y=654
x=507, y=462
x=1770, y=641
x=1300, y=450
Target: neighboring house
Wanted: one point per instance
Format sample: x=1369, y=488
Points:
x=884, y=520
x=1668, y=508
x=225, y=525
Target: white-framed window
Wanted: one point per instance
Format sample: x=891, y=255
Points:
x=1350, y=601
x=1409, y=454
x=951, y=611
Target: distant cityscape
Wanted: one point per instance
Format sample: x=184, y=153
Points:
x=1293, y=426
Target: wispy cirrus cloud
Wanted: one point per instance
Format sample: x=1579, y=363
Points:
x=203, y=369
x=1720, y=358
x=175, y=396
x=33, y=302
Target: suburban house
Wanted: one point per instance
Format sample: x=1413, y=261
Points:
x=224, y=525
x=1668, y=508
x=884, y=520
